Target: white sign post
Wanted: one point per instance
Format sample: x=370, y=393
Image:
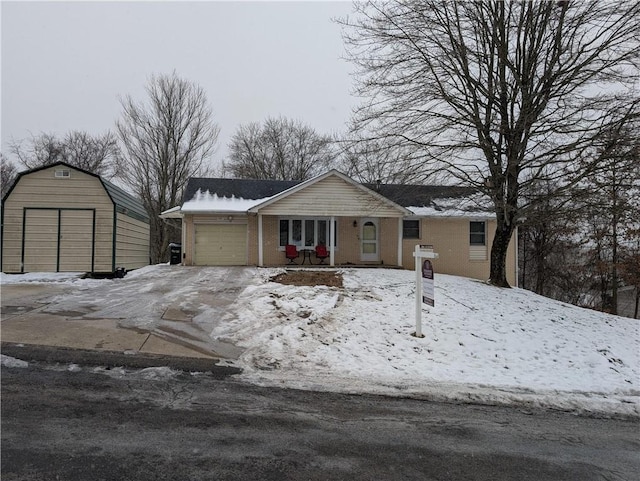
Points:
x=424, y=282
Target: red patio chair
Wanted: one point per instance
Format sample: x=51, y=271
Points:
x=321, y=253
x=291, y=252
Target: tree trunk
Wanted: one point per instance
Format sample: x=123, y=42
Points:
x=498, y=271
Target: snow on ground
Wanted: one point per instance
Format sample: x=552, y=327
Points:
x=482, y=343
x=8, y=361
x=40, y=277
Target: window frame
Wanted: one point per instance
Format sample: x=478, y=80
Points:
x=405, y=229
x=302, y=243
x=477, y=233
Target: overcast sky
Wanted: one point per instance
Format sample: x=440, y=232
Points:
x=65, y=64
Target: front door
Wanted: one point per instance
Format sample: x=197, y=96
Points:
x=369, y=240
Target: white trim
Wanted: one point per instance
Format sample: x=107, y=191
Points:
x=364, y=257
x=173, y=213
x=332, y=233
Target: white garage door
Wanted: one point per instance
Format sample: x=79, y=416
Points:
x=221, y=245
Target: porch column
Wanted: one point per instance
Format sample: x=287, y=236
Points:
x=260, y=253
x=332, y=257
x=400, y=224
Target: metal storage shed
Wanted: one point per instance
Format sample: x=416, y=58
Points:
x=59, y=218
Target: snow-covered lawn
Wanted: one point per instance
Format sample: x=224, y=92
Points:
x=482, y=343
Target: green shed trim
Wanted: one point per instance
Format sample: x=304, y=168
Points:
x=125, y=203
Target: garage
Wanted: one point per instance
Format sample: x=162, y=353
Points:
x=220, y=244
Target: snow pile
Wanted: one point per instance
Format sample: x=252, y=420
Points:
x=8, y=361
x=41, y=277
x=482, y=343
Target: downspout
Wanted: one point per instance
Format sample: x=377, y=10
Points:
x=260, y=250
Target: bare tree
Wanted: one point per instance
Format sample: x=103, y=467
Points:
x=371, y=160
x=496, y=93
x=8, y=172
x=279, y=149
x=611, y=209
x=165, y=142
x=93, y=153
x=548, y=245
x=630, y=267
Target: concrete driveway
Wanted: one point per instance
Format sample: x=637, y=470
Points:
x=159, y=309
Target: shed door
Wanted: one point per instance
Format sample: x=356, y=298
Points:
x=40, y=240
x=220, y=245
x=76, y=240
x=58, y=240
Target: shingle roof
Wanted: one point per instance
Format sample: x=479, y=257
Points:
x=419, y=195
x=241, y=188
x=404, y=195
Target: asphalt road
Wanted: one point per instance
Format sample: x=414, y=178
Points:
x=84, y=425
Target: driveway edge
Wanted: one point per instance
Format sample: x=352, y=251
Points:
x=65, y=355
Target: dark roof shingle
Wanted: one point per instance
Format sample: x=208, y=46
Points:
x=404, y=195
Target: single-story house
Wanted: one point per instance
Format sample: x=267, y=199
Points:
x=59, y=218
x=249, y=222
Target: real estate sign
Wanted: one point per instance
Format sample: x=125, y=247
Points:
x=427, y=283
x=424, y=282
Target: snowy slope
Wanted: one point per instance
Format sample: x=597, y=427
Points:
x=482, y=343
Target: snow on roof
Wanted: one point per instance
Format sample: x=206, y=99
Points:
x=207, y=202
x=453, y=207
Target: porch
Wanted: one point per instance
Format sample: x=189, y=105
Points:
x=349, y=241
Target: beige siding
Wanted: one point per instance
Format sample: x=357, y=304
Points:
x=42, y=189
x=132, y=242
x=331, y=196
x=450, y=239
